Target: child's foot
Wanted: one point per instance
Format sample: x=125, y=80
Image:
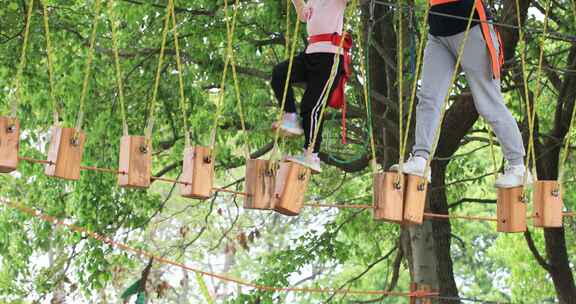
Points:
x=415, y=165
x=289, y=126
x=513, y=177
x=311, y=162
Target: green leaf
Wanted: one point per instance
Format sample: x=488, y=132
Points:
x=130, y=291
x=204, y=289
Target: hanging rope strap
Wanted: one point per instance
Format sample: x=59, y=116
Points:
x=564, y=157
x=400, y=71
x=447, y=97
x=119, y=76
x=220, y=100
x=365, y=74
x=152, y=112
x=50, y=59
x=286, y=87
x=88, y=67
x=533, y=107
x=522, y=48
x=232, y=57
x=328, y=87
x=22, y=64
x=183, y=105
x=418, y=69
x=287, y=36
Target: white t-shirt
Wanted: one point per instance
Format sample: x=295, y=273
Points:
x=323, y=17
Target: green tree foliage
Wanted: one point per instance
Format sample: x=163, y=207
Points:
x=320, y=248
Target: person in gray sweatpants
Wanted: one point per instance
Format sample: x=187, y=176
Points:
x=440, y=58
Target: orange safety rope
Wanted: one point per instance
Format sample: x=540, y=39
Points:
x=144, y=253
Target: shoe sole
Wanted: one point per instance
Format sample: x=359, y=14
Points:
x=312, y=170
x=394, y=168
x=290, y=132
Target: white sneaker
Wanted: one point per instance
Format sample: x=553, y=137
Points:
x=415, y=165
x=312, y=162
x=289, y=126
x=513, y=177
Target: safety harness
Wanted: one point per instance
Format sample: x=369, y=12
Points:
x=496, y=59
x=338, y=98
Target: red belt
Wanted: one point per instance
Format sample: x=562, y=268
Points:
x=338, y=97
x=497, y=60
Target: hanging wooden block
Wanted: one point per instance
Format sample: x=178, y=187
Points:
x=388, y=197
x=291, y=185
x=197, y=173
x=260, y=178
x=415, y=199
x=135, y=162
x=511, y=210
x=9, y=144
x=65, y=153
x=547, y=204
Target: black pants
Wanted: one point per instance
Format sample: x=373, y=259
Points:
x=313, y=70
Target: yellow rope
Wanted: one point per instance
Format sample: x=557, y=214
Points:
x=419, y=57
x=183, y=105
x=236, y=84
x=287, y=37
x=364, y=75
x=328, y=87
x=50, y=59
x=522, y=48
x=566, y=151
x=286, y=87
x=18, y=91
x=119, y=76
x=531, y=148
x=447, y=97
x=492, y=152
x=150, y=124
x=220, y=99
x=88, y=67
x=400, y=68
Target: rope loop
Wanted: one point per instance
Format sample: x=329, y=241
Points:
x=152, y=111
x=118, y=68
x=227, y=60
x=18, y=82
x=183, y=104
x=286, y=85
x=88, y=66
x=50, y=58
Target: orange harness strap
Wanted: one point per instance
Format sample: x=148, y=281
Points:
x=496, y=60
x=338, y=98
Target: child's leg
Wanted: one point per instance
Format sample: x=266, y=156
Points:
x=279, y=74
x=319, y=66
x=436, y=73
x=489, y=100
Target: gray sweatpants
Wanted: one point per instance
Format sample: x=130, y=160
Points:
x=439, y=62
